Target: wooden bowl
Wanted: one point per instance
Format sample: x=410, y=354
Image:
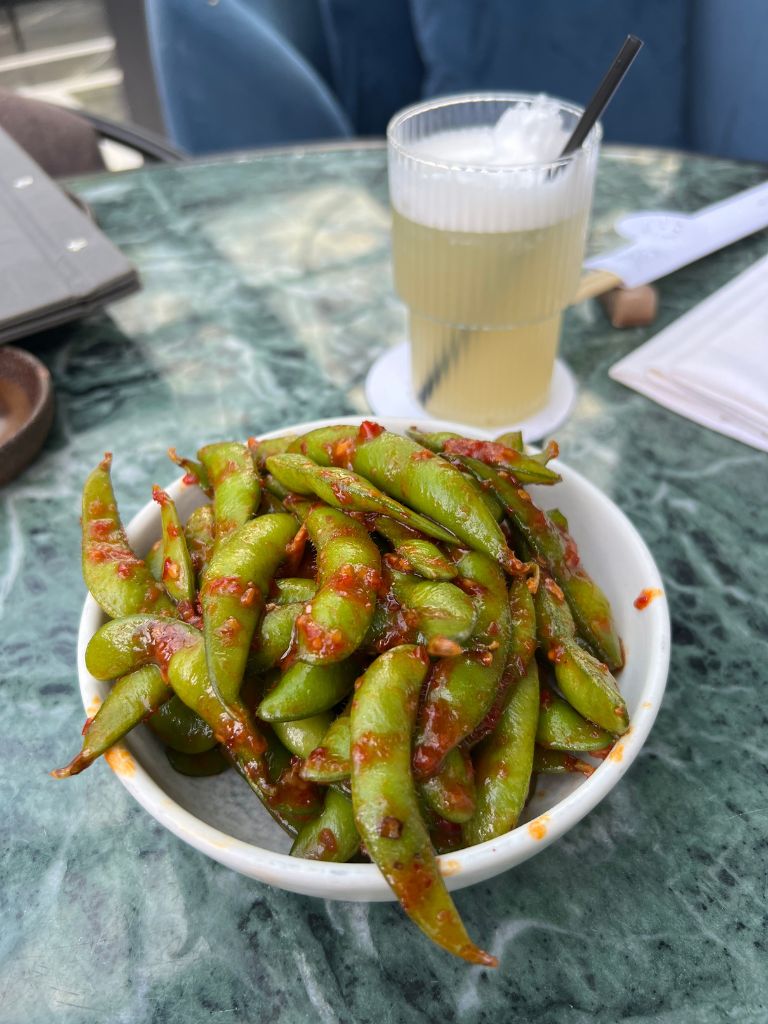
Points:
x=26, y=409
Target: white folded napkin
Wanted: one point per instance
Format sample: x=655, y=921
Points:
x=711, y=365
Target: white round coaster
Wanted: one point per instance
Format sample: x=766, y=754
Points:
x=388, y=392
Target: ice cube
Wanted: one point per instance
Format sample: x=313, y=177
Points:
x=529, y=132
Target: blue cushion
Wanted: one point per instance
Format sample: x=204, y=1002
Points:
x=376, y=68
x=563, y=48
x=228, y=80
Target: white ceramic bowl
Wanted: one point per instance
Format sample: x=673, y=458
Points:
x=221, y=817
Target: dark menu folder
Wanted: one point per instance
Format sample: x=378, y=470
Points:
x=55, y=264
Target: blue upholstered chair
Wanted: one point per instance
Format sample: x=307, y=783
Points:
x=233, y=74
x=240, y=73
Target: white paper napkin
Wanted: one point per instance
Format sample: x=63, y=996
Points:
x=711, y=365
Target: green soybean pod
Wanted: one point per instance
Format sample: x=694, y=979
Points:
x=590, y=688
x=385, y=802
x=236, y=489
x=178, y=575
x=415, y=553
x=523, y=614
x=305, y=690
x=136, y=694
x=348, y=575
x=461, y=689
x=262, y=450
x=330, y=760
x=180, y=728
x=561, y=727
x=559, y=762
x=418, y=478
x=525, y=468
x=585, y=682
x=293, y=588
x=201, y=765
x=194, y=472
x=348, y=491
x=512, y=439
x=558, y=519
x=303, y=735
x=273, y=637
x=233, y=592
x=451, y=794
x=332, y=836
x=119, y=581
x=504, y=762
x=439, y=609
x=199, y=534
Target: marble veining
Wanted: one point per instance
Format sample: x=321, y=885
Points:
x=267, y=293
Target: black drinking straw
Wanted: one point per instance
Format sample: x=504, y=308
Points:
x=602, y=97
x=604, y=93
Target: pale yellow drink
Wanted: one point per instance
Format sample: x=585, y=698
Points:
x=486, y=257
x=453, y=278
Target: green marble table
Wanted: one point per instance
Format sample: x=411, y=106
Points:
x=267, y=293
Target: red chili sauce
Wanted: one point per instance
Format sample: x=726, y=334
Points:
x=645, y=597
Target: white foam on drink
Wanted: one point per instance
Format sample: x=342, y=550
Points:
x=490, y=178
x=524, y=134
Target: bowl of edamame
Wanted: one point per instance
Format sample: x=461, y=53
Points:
x=369, y=660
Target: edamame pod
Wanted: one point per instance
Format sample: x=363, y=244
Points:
x=199, y=534
x=343, y=489
x=119, y=581
x=177, y=574
x=512, y=439
x=561, y=727
x=292, y=588
x=461, y=689
x=589, y=687
x=416, y=477
x=526, y=469
x=348, y=576
x=488, y=498
x=523, y=641
x=180, y=728
x=558, y=762
x=135, y=695
x=413, y=553
x=261, y=450
x=305, y=690
x=201, y=765
x=232, y=595
x=558, y=519
x=272, y=639
x=585, y=682
x=236, y=489
x=303, y=735
x=451, y=794
x=437, y=609
x=332, y=836
x=558, y=552
x=504, y=762
x=385, y=803
x=194, y=472
x=330, y=760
